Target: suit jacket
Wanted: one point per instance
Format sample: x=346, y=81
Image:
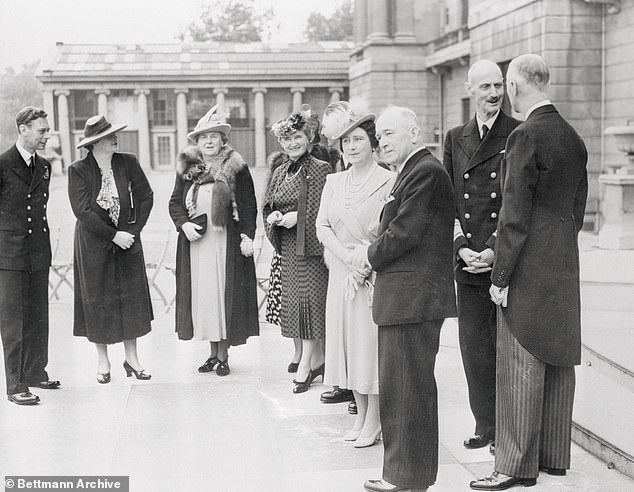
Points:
x=312, y=174
x=536, y=254
x=475, y=168
x=413, y=252
x=24, y=235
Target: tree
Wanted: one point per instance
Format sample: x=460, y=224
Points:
x=16, y=91
x=337, y=27
x=234, y=21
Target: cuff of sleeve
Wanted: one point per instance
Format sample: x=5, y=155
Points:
x=491, y=242
x=459, y=242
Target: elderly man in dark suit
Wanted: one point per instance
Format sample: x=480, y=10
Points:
x=414, y=293
x=473, y=156
x=25, y=257
x=536, y=282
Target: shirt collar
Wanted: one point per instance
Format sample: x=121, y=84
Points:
x=539, y=104
x=488, y=123
x=26, y=155
x=400, y=167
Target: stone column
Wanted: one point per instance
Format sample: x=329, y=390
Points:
x=360, y=21
x=145, y=155
x=48, y=103
x=379, y=11
x=404, y=22
x=64, y=126
x=181, y=117
x=297, y=98
x=220, y=98
x=260, y=127
x=102, y=101
x=335, y=93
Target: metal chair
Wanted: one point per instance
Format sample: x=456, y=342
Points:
x=155, y=246
x=262, y=266
x=60, y=268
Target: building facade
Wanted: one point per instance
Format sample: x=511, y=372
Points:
x=160, y=91
x=418, y=53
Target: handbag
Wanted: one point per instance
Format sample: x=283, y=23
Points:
x=200, y=220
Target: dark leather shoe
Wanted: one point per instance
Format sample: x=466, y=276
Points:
x=477, y=441
x=500, y=481
x=558, y=472
x=492, y=448
x=47, y=385
x=26, y=398
x=209, y=364
x=337, y=395
x=383, y=486
x=223, y=367
x=352, y=408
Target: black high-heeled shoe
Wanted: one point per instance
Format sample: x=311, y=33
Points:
x=129, y=370
x=223, y=367
x=103, y=378
x=318, y=372
x=302, y=386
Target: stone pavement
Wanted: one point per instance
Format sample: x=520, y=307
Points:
x=185, y=431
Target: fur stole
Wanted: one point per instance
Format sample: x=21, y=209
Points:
x=221, y=171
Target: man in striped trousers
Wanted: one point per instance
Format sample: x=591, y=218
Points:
x=535, y=283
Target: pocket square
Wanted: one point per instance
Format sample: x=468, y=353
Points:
x=390, y=199
x=502, y=151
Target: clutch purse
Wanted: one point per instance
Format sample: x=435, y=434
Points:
x=200, y=220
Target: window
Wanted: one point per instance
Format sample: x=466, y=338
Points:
x=199, y=101
x=466, y=109
x=83, y=105
x=163, y=108
x=237, y=111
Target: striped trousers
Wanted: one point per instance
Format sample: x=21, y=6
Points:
x=533, y=409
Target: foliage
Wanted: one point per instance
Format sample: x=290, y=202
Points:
x=235, y=21
x=17, y=89
x=337, y=27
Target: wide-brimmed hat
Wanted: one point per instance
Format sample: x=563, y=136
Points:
x=211, y=122
x=96, y=128
x=353, y=122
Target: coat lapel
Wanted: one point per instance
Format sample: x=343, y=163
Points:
x=409, y=165
x=491, y=145
x=469, y=141
x=19, y=167
x=41, y=172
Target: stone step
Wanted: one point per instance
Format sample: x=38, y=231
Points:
x=603, y=416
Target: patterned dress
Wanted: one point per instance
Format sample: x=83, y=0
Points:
x=274, y=295
x=304, y=278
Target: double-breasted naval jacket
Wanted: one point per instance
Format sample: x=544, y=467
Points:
x=24, y=233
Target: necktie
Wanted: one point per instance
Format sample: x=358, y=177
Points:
x=32, y=166
x=485, y=130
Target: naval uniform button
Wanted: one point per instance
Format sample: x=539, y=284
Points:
x=44, y=229
x=466, y=196
x=467, y=216
x=28, y=196
x=494, y=175
x=494, y=215
x=468, y=235
x=44, y=219
x=466, y=176
x=494, y=195
x=28, y=207
x=45, y=206
x=29, y=219
x=30, y=231
x=44, y=195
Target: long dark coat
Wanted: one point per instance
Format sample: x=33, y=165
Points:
x=536, y=254
x=241, y=305
x=112, y=298
x=413, y=253
x=475, y=169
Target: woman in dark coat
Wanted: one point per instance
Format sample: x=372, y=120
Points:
x=213, y=207
x=112, y=199
x=290, y=210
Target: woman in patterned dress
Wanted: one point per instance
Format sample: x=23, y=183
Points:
x=290, y=211
x=111, y=198
x=216, y=297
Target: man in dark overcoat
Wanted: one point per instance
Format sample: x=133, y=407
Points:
x=25, y=258
x=536, y=282
x=473, y=156
x=414, y=293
